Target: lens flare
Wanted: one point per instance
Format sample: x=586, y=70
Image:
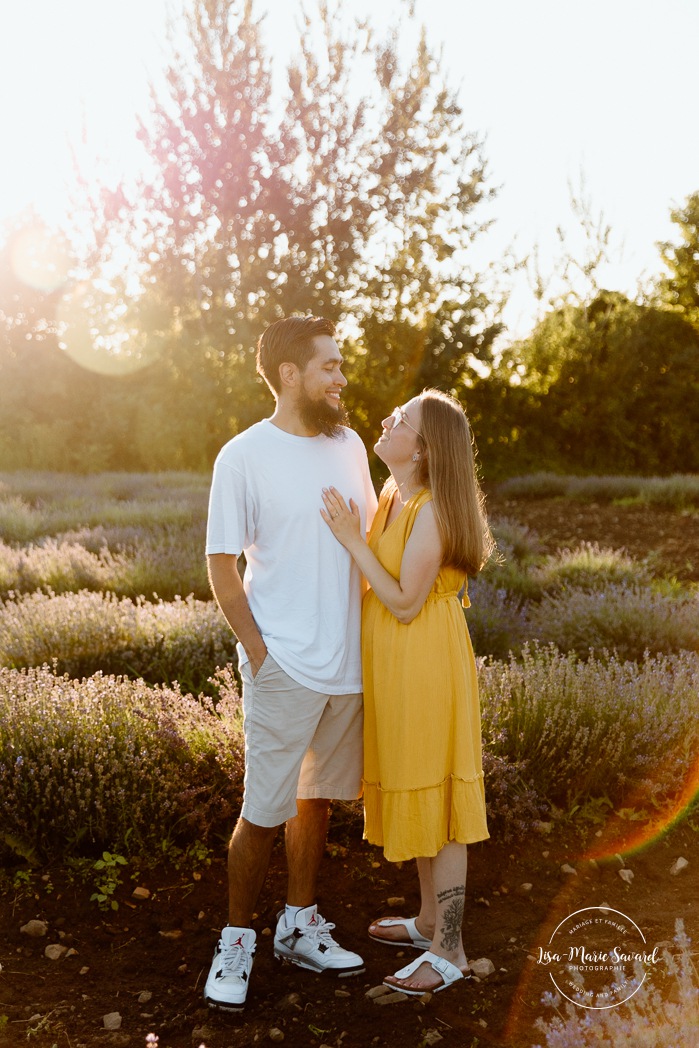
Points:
x=625, y=838
x=618, y=837
x=40, y=258
x=94, y=331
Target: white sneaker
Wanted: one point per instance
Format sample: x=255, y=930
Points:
x=227, y=984
x=309, y=944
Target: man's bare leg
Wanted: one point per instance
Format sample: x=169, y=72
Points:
x=249, y=852
x=306, y=835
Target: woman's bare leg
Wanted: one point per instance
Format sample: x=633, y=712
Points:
x=447, y=871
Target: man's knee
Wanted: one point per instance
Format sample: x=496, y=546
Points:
x=313, y=803
x=245, y=830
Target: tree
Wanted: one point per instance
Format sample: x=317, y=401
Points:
x=680, y=290
x=617, y=387
x=353, y=197
x=355, y=194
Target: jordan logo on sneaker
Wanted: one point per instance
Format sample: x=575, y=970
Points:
x=238, y=941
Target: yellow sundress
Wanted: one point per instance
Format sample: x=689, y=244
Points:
x=423, y=776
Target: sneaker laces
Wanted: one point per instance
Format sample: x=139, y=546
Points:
x=233, y=960
x=319, y=932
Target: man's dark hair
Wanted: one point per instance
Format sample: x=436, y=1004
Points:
x=289, y=341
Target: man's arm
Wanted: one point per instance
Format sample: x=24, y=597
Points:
x=227, y=587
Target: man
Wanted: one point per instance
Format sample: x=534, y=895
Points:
x=296, y=615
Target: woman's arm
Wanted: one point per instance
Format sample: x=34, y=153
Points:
x=422, y=557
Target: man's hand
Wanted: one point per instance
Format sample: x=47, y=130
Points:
x=256, y=660
x=227, y=588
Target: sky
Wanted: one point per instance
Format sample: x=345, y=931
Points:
x=600, y=94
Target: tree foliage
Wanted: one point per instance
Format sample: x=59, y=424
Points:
x=680, y=289
x=616, y=387
x=355, y=191
x=351, y=197
x=351, y=193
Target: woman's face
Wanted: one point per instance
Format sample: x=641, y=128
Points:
x=399, y=439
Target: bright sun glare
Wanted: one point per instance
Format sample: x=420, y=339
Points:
x=72, y=75
x=78, y=95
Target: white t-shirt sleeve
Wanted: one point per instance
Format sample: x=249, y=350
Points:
x=230, y=527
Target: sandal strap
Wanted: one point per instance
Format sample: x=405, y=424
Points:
x=416, y=938
x=448, y=971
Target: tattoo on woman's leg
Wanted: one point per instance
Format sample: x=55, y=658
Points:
x=451, y=893
x=453, y=917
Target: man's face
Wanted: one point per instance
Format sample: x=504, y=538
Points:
x=322, y=382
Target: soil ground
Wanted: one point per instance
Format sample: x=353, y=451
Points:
x=162, y=945
x=667, y=540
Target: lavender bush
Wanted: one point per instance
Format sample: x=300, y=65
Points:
x=46, y=487
x=680, y=491
x=513, y=801
x=622, y=618
x=169, y=563
x=596, y=728
x=107, y=762
x=515, y=541
x=510, y=570
x=34, y=505
x=650, y=1019
x=495, y=621
x=81, y=633
x=627, y=619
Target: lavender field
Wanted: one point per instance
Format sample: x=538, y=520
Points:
x=588, y=665
x=120, y=725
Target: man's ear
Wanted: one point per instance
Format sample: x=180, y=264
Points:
x=289, y=375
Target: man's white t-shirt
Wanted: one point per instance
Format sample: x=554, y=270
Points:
x=303, y=587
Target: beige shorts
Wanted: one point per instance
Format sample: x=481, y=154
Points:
x=298, y=743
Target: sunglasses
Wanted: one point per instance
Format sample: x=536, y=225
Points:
x=398, y=416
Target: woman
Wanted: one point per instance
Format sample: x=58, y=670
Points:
x=423, y=779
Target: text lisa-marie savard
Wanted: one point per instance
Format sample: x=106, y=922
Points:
x=585, y=957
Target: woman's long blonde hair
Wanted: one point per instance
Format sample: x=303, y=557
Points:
x=447, y=467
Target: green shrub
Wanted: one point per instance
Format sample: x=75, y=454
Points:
x=111, y=763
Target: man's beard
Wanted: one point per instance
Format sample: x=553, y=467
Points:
x=318, y=415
